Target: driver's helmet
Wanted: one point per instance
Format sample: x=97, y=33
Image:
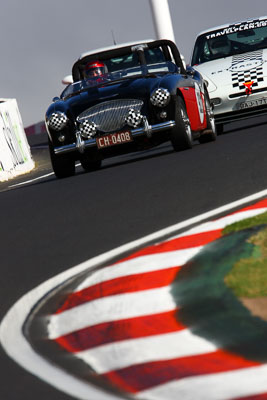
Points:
x=95, y=68
x=220, y=46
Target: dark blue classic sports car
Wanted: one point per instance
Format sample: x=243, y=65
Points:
x=127, y=98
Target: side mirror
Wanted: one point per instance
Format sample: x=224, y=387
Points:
x=190, y=72
x=55, y=99
x=67, y=80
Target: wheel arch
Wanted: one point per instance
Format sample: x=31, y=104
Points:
x=188, y=94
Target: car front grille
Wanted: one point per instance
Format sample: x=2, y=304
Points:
x=110, y=115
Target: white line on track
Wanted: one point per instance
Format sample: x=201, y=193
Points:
x=36, y=179
x=32, y=180
x=222, y=222
x=17, y=347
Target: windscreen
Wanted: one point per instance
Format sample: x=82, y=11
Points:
x=152, y=56
x=235, y=39
x=120, y=73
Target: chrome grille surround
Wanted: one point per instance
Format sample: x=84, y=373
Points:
x=110, y=115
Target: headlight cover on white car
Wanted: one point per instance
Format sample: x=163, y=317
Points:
x=210, y=85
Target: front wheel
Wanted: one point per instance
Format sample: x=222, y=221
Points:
x=89, y=165
x=63, y=164
x=181, y=134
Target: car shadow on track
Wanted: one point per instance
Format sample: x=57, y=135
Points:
x=43, y=166
x=232, y=127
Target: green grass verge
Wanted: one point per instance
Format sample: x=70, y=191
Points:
x=248, y=277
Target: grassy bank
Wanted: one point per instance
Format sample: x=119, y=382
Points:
x=248, y=277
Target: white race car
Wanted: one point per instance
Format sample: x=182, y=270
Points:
x=233, y=61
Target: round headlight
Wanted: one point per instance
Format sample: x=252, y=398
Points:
x=88, y=128
x=160, y=97
x=133, y=118
x=57, y=121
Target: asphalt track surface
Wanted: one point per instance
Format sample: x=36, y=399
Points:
x=50, y=225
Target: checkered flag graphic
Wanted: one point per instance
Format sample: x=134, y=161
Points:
x=57, y=121
x=134, y=118
x=252, y=56
x=88, y=129
x=160, y=97
x=254, y=75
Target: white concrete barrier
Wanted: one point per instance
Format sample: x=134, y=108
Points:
x=15, y=154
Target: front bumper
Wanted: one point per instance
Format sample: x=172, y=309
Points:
x=146, y=130
x=240, y=114
x=240, y=106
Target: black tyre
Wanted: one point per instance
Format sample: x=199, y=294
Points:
x=89, y=165
x=63, y=164
x=219, y=128
x=210, y=133
x=181, y=135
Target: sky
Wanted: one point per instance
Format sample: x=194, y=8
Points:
x=41, y=39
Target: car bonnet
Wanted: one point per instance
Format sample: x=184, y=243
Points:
x=127, y=88
x=235, y=69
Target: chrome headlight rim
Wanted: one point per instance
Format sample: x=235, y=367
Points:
x=57, y=121
x=160, y=97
